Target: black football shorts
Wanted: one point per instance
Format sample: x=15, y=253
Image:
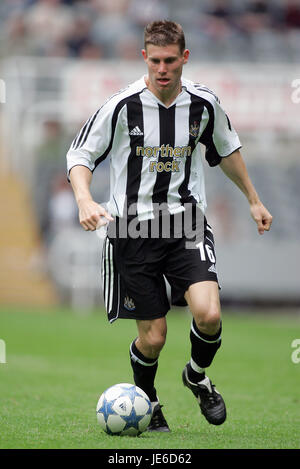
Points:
x=135, y=270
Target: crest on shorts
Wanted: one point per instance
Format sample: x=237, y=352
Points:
x=194, y=129
x=129, y=303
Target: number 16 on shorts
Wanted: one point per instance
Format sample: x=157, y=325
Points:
x=206, y=250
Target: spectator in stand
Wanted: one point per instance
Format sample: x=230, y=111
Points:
x=48, y=153
x=49, y=22
x=16, y=38
x=111, y=25
x=79, y=42
x=9, y=7
x=291, y=14
x=62, y=209
x=216, y=20
x=254, y=17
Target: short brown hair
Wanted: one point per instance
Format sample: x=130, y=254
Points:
x=164, y=33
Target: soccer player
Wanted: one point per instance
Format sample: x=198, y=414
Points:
x=151, y=132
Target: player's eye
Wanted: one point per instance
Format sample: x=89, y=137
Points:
x=170, y=60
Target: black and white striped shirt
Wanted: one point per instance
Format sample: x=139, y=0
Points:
x=154, y=151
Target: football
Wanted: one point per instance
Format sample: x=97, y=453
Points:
x=124, y=409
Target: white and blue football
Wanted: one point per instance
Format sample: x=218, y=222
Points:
x=124, y=409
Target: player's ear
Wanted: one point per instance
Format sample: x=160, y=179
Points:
x=186, y=54
x=144, y=54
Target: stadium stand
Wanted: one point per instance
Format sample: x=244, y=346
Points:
x=255, y=30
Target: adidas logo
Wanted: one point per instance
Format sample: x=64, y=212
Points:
x=136, y=131
x=122, y=406
x=212, y=269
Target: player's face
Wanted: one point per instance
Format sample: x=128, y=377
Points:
x=165, y=65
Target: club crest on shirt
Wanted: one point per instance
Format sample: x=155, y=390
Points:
x=194, y=129
x=129, y=303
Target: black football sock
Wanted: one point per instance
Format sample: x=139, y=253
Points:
x=195, y=372
x=144, y=371
x=204, y=348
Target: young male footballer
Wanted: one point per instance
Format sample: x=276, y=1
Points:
x=151, y=131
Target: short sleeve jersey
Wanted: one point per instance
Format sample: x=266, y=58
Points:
x=154, y=150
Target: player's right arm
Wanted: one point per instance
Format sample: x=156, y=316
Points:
x=90, y=146
x=91, y=214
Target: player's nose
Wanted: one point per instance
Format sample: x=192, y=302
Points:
x=162, y=68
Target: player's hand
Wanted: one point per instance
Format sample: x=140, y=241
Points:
x=261, y=216
x=92, y=215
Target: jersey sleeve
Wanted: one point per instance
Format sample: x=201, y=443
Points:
x=92, y=142
x=219, y=137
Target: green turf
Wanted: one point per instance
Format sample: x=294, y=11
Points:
x=58, y=363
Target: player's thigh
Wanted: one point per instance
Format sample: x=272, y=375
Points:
x=204, y=302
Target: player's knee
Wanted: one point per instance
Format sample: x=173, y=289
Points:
x=156, y=341
x=153, y=342
x=152, y=337
x=209, y=321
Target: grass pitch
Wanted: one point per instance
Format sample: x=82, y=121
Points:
x=58, y=364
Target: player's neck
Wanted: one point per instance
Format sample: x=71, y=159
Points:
x=167, y=97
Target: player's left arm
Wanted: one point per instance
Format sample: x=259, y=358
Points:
x=234, y=167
